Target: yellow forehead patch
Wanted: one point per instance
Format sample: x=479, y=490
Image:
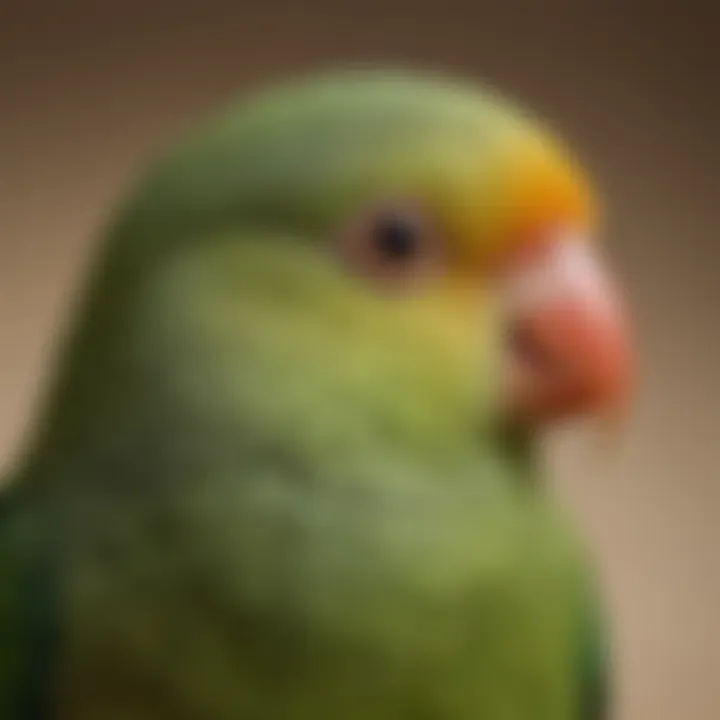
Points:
x=531, y=184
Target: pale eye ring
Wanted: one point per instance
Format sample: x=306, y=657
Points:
x=394, y=244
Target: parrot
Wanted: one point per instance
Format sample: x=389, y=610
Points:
x=289, y=461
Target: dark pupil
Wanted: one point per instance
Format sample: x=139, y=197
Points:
x=396, y=238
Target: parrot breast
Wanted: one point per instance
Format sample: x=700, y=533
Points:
x=304, y=524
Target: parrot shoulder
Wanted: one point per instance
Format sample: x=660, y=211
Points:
x=26, y=599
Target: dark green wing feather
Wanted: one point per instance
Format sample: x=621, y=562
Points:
x=26, y=617
x=594, y=676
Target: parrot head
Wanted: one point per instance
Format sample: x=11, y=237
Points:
x=366, y=249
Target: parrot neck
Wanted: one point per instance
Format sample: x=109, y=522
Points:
x=166, y=453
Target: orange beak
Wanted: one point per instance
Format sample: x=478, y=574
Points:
x=568, y=340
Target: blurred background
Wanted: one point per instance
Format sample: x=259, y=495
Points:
x=89, y=90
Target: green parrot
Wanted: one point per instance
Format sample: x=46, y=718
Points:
x=288, y=468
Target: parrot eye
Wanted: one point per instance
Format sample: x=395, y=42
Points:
x=393, y=244
x=396, y=237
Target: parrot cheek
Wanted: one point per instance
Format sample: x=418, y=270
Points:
x=568, y=348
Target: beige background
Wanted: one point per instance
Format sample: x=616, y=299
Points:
x=86, y=92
